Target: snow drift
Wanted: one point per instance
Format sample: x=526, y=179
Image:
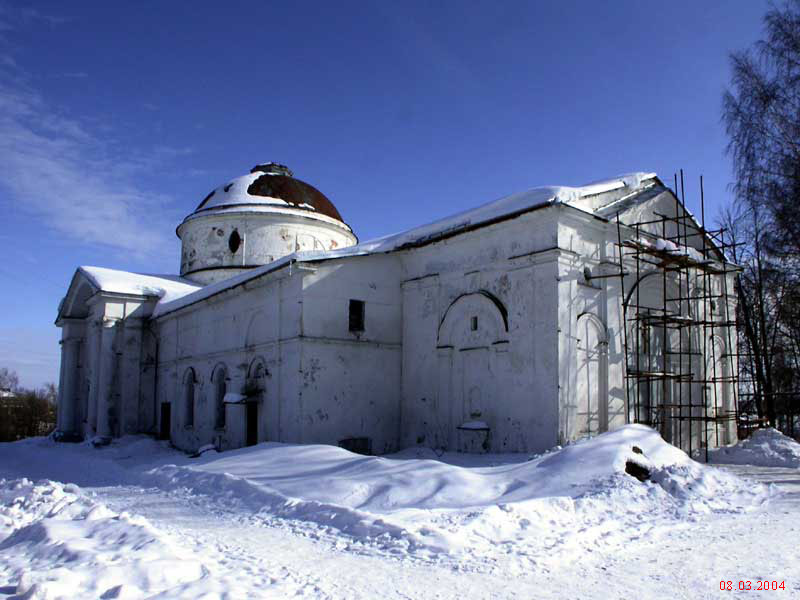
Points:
x=765, y=448
x=54, y=541
x=434, y=507
x=476, y=512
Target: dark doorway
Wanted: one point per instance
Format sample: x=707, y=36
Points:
x=166, y=411
x=252, y=424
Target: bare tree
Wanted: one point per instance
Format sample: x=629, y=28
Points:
x=762, y=117
x=8, y=380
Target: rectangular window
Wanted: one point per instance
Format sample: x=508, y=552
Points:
x=473, y=323
x=357, y=315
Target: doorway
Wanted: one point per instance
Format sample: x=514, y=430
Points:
x=166, y=413
x=251, y=424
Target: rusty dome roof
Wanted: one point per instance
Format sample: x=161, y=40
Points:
x=269, y=184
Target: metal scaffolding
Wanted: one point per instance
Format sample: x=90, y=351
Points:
x=681, y=362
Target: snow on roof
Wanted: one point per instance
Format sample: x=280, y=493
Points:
x=267, y=191
x=235, y=192
x=166, y=287
x=509, y=205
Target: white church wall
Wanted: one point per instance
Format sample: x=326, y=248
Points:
x=328, y=289
x=350, y=380
x=508, y=262
x=350, y=389
x=591, y=399
x=256, y=320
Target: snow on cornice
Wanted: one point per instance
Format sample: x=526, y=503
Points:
x=165, y=287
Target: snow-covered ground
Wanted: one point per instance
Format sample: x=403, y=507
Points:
x=137, y=520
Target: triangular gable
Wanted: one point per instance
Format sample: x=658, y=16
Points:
x=647, y=208
x=74, y=304
x=87, y=281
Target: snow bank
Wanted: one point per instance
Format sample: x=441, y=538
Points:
x=439, y=507
x=765, y=448
x=55, y=542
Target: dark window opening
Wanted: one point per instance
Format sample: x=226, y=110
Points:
x=357, y=315
x=473, y=323
x=166, y=426
x=359, y=445
x=234, y=241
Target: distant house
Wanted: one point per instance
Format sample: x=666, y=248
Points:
x=546, y=316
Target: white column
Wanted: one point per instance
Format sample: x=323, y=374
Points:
x=93, y=338
x=61, y=388
x=68, y=391
x=130, y=367
x=105, y=377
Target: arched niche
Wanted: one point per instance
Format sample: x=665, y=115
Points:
x=719, y=390
x=257, y=375
x=219, y=383
x=652, y=348
x=472, y=361
x=188, y=397
x=257, y=330
x=474, y=317
x=589, y=404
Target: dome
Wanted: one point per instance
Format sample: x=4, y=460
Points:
x=268, y=185
x=257, y=219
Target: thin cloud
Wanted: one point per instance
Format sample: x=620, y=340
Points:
x=58, y=169
x=32, y=15
x=13, y=16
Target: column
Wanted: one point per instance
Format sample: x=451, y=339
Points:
x=131, y=375
x=93, y=339
x=60, y=402
x=68, y=392
x=105, y=377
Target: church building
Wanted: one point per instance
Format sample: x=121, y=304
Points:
x=531, y=321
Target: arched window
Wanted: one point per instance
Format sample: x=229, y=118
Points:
x=189, y=382
x=220, y=389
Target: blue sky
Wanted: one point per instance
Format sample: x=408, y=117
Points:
x=116, y=119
